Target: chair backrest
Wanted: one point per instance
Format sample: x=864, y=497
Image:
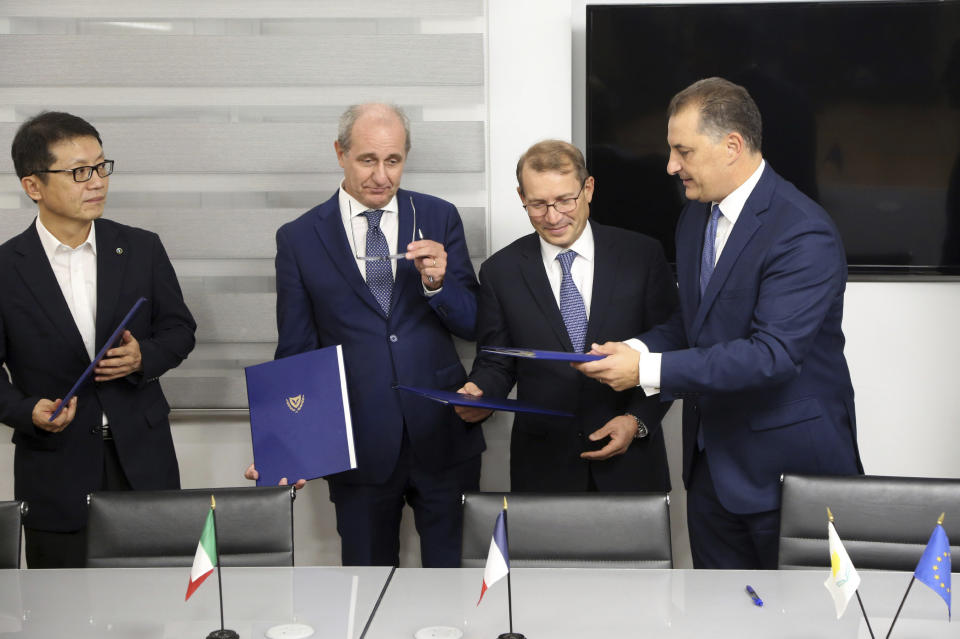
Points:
x=571, y=530
x=884, y=522
x=11, y=514
x=143, y=528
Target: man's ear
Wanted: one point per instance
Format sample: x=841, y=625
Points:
x=734, y=145
x=31, y=186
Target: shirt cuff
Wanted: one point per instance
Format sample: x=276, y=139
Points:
x=648, y=369
x=428, y=292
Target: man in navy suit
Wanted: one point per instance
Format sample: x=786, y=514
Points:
x=756, y=350
x=624, y=286
x=394, y=317
x=65, y=284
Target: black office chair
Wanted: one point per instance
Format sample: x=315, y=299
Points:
x=141, y=528
x=884, y=522
x=11, y=532
x=571, y=530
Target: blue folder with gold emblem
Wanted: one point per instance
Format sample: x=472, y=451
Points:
x=300, y=417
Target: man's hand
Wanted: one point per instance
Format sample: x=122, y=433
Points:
x=120, y=361
x=431, y=260
x=621, y=431
x=618, y=369
x=251, y=473
x=472, y=414
x=45, y=408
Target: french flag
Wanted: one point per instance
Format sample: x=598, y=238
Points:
x=498, y=560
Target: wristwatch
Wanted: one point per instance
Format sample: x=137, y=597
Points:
x=642, y=430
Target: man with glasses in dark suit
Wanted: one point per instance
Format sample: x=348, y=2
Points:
x=570, y=283
x=65, y=284
x=385, y=272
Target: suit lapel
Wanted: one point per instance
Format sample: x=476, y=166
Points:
x=113, y=252
x=36, y=272
x=747, y=224
x=605, y=258
x=535, y=277
x=333, y=236
x=689, y=249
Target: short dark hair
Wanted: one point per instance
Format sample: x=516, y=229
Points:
x=724, y=107
x=553, y=155
x=31, y=145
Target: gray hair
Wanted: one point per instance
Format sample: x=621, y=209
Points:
x=353, y=113
x=724, y=107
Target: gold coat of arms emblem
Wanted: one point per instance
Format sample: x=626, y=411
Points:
x=295, y=404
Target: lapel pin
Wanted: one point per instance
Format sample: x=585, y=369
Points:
x=119, y=251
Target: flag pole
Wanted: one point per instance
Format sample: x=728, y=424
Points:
x=506, y=530
x=506, y=533
x=902, y=601
x=863, y=610
x=222, y=633
x=909, y=586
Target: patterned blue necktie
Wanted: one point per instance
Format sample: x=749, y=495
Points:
x=571, y=304
x=708, y=259
x=379, y=272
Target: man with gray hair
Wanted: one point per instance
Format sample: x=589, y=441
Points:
x=385, y=273
x=756, y=348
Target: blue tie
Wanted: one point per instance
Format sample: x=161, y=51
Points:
x=709, y=257
x=571, y=304
x=379, y=272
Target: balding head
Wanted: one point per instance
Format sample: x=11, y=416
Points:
x=373, y=111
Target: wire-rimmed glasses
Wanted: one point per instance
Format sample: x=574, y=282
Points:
x=375, y=258
x=85, y=173
x=562, y=206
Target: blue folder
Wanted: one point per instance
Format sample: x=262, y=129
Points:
x=460, y=399
x=300, y=417
x=111, y=341
x=531, y=353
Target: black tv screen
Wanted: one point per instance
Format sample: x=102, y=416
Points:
x=860, y=104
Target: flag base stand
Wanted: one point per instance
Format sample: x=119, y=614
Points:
x=511, y=635
x=223, y=634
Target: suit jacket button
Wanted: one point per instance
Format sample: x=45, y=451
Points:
x=393, y=338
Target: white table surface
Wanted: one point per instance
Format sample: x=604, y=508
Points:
x=578, y=603
x=148, y=603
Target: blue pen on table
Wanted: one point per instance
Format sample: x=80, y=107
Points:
x=757, y=601
x=420, y=233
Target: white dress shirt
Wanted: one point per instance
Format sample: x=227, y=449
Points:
x=581, y=270
x=730, y=208
x=356, y=228
x=76, y=273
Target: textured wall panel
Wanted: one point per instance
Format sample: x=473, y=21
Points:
x=236, y=61
x=266, y=147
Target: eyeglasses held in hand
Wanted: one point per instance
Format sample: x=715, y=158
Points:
x=376, y=258
x=562, y=206
x=85, y=173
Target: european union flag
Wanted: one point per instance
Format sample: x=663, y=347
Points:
x=934, y=566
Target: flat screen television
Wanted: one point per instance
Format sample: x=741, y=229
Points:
x=860, y=104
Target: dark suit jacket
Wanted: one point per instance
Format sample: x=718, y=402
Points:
x=43, y=350
x=759, y=361
x=633, y=290
x=322, y=300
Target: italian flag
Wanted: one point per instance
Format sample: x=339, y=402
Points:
x=206, y=557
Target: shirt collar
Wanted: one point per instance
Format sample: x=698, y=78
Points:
x=51, y=244
x=583, y=246
x=732, y=205
x=349, y=203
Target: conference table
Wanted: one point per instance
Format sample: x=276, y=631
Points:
x=148, y=603
x=383, y=603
